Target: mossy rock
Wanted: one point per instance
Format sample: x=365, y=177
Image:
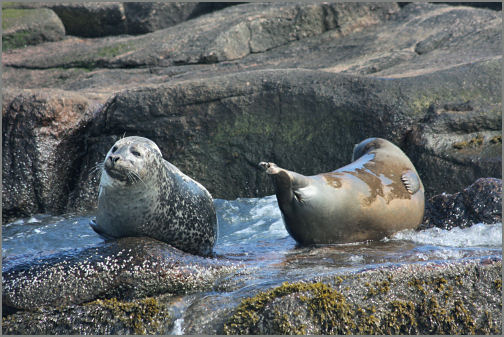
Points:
x=413, y=300
x=22, y=27
x=110, y=316
x=327, y=308
x=142, y=317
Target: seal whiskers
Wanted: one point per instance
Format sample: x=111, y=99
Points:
x=141, y=194
x=96, y=168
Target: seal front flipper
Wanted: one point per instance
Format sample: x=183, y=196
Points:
x=411, y=181
x=97, y=229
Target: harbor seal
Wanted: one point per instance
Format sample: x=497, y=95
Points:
x=376, y=195
x=141, y=194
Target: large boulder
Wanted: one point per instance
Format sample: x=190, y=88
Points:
x=218, y=129
x=457, y=298
x=481, y=202
x=124, y=269
x=22, y=27
x=42, y=134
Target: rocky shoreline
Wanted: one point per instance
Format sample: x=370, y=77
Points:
x=223, y=91
x=433, y=298
x=414, y=299
x=221, y=87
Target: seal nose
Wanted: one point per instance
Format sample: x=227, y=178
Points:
x=113, y=158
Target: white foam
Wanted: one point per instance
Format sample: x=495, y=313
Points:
x=266, y=206
x=249, y=220
x=177, y=327
x=356, y=258
x=278, y=228
x=33, y=220
x=17, y=222
x=478, y=235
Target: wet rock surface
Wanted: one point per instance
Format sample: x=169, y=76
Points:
x=420, y=298
x=127, y=268
x=480, y=202
x=457, y=298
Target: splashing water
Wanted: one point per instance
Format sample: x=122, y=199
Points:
x=251, y=231
x=478, y=235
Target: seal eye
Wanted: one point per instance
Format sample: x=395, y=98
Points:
x=136, y=153
x=114, y=149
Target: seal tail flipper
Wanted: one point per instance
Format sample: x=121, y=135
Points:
x=411, y=181
x=282, y=179
x=288, y=184
x=270, y=168
x=97, y=229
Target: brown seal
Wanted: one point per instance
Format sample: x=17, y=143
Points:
x=141, y=194
x=376, y=195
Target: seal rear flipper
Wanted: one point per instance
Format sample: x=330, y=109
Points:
x=270, y=168
x=98, y=231
x=411, y=181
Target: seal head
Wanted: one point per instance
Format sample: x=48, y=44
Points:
x=376, y=195
x=141, y=194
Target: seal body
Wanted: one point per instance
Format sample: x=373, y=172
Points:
x=141, y=194
x=376, y=195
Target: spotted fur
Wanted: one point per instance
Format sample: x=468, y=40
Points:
x=141, y=194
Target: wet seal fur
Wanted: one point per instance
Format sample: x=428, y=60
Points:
x=376, y=195
x=141, y=194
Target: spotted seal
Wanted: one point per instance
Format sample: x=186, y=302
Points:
x=379, y=193
x=141, y=194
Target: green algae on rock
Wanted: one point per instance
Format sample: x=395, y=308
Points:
x=320, y=298
x=22, y=27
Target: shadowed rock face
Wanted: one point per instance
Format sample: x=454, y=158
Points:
x=296, y=84
x=42, y=134
x=480, y=202
x=100, y=317
x=127, y=268
x=98, y=19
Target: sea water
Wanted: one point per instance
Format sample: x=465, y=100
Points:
x=251, y=230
